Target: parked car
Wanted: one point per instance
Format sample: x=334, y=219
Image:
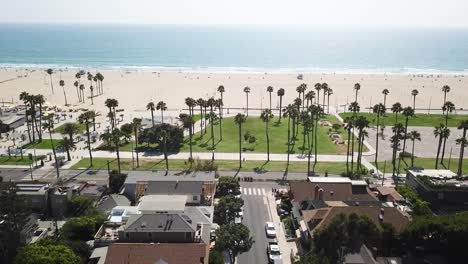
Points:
x=270, y=230
x=274, y=253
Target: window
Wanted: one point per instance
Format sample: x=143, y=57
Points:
x=195, y=198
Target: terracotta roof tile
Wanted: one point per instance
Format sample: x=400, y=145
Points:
x=331, y=191
x=137, y=253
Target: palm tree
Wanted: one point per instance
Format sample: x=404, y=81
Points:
x=266, y=116
x=70, y=129
x=212, y=103
x=191, y=103
x=221, y=90
x=247, y=91
x=201, y=103
x=448, y=107
x=150, y=106
x=76, y=84
x=407, y=113
x=316, y=111
x=385, y=92
x=396, y=108
x=357, y=87
x=325, y=91
x=111, y=104
x=414, y=93
x=361, y=124
x=397, y=129
x=329, y=93
x=301, y=90
x=379, y=110
x=49, y=125
x=187, y=123
x=67, y=144
x=413, y=136
x=62, y=84
x=445, y=90
x=116, y=138
x=50, y=72
x=355, y=108
x=82, y=88
x=310, y=95
x=463, y=143
x=239, y=119
x=86, y=118
x=440, y=131
x=290, y=112
x=164, y=135
x=39, y=99
x=90, y=78
x=318, y=87
x=270, y=90
x=219, y=104
x=91, y=88
x=100, y=78
x=136, y=124
x=280, y=93
x=161, y=106
x=349, y=125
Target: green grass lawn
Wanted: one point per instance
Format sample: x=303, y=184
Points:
x=82, y=128
x=254, y=125
x=14, y=160
x=426, y=120
x=427, y=163
x=223, y=165
x=45, y=144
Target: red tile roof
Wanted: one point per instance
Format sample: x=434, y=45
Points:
x=391, y=215
x=138, y=253
x=303, y=190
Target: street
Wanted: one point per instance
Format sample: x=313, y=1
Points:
x=256, y=214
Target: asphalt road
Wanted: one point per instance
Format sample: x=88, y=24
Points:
x=256, y=214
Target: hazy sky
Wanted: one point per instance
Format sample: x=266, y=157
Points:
x=406, y=13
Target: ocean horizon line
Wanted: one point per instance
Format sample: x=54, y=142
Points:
x=240, y=70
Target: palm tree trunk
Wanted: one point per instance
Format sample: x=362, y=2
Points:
x=309, y=149
x=152, y=117
x=190, y=138
x=385, y=101
x=404, y=144
x=65, y=95
x=377, y=143
x=247, y=104
x=438, y=152
x=117, y=151
x=205, y=121
x=445, y=139
x=412, y=154
x=304, y=131
x=55, y=155
x=51, y=83
x=352, y=152
x=136, y=147
x=268, y=141
x=220, y=122
x=162, y=116
x=414, y=103
x=315, y=143
x=328, y=104
x=270, y=101
x=212, y=135
x=240, y=145
x=289, y=141
x=89, y=145
x=165, y=154
x=40, y=122
x=462, y=152
x=281, y=102
x=201, y=120
x=347, y=152
x=68, y=154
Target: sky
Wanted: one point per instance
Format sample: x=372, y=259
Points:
x=353, y=13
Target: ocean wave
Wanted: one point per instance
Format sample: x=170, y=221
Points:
x=226, y=69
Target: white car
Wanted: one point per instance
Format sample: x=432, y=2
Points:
x=270, y=230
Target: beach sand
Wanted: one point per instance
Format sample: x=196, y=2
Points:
x=134, y=89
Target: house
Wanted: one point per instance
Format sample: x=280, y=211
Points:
x=108, y=202
x=441, y=188
x=319, y=218
x=151, y=253
x=10, y=121
x=198, y=187
x=388, y=194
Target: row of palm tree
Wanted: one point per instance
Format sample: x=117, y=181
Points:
x=33, y=107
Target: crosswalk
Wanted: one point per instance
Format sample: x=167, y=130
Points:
x=257, y=191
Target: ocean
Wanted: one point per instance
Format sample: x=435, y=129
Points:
x=234, y=48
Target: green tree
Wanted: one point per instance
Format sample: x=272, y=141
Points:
x=227, y=209
x=247, y=91
x=407, y=113
x=269, y=91
x=163, y=107
x=396, y=109
x=116, y=180
x=235, y=238
x=280, y=94
x=86, y=118
x=441, y=132
x=78, y=205
x=69, y=145
x=77, y=85
x=463, y=143
x=227, y=185
x=379, y=110
x=37, y=254
x=413, y=136
x=239, y=119
x=414, y=93
x=445, y=90
x=150, y=106
x=82, y=228
x=116, y=138
x=201, y=103
x=290, y=112
x=14, y=215
x=50, y=72
x=361, y=123
x=212, y=103
x=356, y=88
x=82, y=88
x=112, y=104
x=266, y=116
x=70, y=129
x=221, y=91
x=216, y=257
x=62, y=84
x=385, y=92
x=301, y=91
x=329, y=93
x=448, y=107
x=187, y=123
x=49, y=125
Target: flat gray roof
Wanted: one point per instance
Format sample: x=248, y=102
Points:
x=202, y=176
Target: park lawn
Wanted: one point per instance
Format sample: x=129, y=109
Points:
x=14, y=160
x=223, y=165
x=425, y=120
x=82, y=128
x=427, y=163
x=254, y=125
x=45, y=144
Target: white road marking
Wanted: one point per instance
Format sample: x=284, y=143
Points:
x=249, y=191
x=259, y=191
x=254, y=191
x=263, y=191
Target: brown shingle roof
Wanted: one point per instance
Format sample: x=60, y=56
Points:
x=137, y=253
x=391, y=215
x=391, y=193
x=331, y=192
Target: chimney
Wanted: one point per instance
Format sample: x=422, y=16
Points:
x=316, y=192
x=320, y=196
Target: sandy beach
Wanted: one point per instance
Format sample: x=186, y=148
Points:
x=134, y=89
